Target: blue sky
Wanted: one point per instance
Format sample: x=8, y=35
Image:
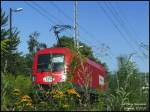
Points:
x=91, y=18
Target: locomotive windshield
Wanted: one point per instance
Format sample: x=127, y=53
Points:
x=50, y=62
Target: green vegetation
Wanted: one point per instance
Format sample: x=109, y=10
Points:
x=127, y=86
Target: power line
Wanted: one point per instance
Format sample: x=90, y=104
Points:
x=70, y=19
x=44, y=13
x=112, y=21
x=125, y=18
x=114, y=24
x=121, y=21
x=47, y=12
x=62, y=12
x=39, y=12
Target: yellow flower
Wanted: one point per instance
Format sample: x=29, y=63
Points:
x=17, y=103
x=29, y=104
x=65, y=106
x=73, y=91
x=58, y=96
x=26, y=98
x=78, y=95
x=57, y=92
x=16, y=92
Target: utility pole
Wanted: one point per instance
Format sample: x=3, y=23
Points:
x=10, y=34
x=10, y=22
x=10, y=12
x=75, y=26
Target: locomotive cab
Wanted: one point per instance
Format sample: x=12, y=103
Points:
x=50, y=65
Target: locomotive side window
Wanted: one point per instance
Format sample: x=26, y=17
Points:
x=57, y=62
x=51, y=62
x=43, y=62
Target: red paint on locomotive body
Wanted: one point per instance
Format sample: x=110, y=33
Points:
x=47, y=61
x=55, y=76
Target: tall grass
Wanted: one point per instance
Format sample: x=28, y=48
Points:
x=9, y=83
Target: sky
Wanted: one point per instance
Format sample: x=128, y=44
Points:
x=111, y=28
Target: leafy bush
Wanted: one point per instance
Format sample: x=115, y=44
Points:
x=9, y=83
x=23, y=83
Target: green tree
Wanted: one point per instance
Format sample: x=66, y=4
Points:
x=4, y=33
x=33, y=46
x=32, y=42
x=9, y=44
x=84, y=49
x=129, y=78
x=124, y=85
x=41, y=46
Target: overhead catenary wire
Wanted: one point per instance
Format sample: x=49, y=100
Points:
x=130, y=26
x=47, y=12
x=40, y=10
x=51, y=15
x=41, y=13
x=122, y=14
x=68, y=17
x=71, y=19
x=79, y=25
x=123, y=25
x=122, y=34
x=116, y=27
x=62, y=12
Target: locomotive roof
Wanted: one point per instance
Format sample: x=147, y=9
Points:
x=98, y=66
x=55, y=49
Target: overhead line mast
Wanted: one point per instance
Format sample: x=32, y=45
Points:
x=76, y=40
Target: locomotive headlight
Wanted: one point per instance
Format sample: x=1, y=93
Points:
x=63, y=78
x=33, y=78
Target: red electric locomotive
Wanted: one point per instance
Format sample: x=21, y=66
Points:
x=51, y=65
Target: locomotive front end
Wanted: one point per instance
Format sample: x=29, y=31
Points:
x=50, y=66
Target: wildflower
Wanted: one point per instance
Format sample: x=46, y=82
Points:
x=57, y=92
x=65, y=106
x=16, y=92
x=58, y=96
x=17, y=103
x=29, y=104
x=78, y=95
x=26, y=98
x=72, y=91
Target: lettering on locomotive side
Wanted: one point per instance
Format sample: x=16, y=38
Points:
x=101, y=80
x=48, y=79
x=58, y=59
